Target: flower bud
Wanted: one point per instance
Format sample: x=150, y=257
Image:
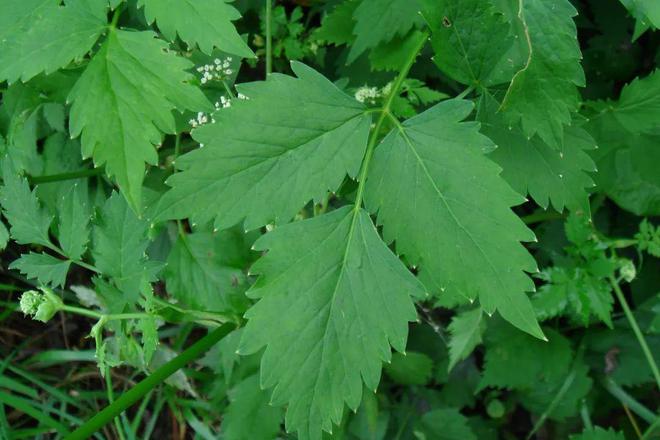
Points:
x=41, y=306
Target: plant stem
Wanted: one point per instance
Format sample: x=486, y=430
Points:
x=638, y=333
x=626, y=399
x=34, y=180
x=465, y=92
x=586, y=417
x=651, y=429
x=143, y=387
x=115, y=16
x=269, y=38
x=385, y=113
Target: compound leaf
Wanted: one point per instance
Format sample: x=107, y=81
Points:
x=448, y=209
x=133, y=117
x=264, y=165
x=42, y=36
x=333, y=298
x=206, y=23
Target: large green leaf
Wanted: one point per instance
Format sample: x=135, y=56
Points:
x=543, y=94
x=132, y=116
x=533, y=167
x=333, y=298
x=293, y=140
x=448, y=209
x=471, y=41
x=206, y=23
x=42, y=36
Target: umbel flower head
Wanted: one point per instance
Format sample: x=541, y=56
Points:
x=40, y=306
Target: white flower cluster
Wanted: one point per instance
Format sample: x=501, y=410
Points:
x=371, y=94
x=201, y=119
x=218, y=70
x=367, y=94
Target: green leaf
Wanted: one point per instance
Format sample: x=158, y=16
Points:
x=638, y=107
x=29, y=221
x=569, y=391
x=626, y=164
x=4, y=236
x=378, y=21
x=411, y=368
x=133, y=117
x=471, y=41
x=42, y=36
x=74, y=222
x=533, y=167
x=206, y=23
x=448, y=209
x=337, y=26
x=543, y=94
x=466, y=329
x=444, y=424
x=333, y=298
x=46, y=268
x=249, y=414
x=598, y=433
x=517, y=361
x=150, y=339
x=647, y=14
x=254, y=154
x=201, y=275
x=120, y=242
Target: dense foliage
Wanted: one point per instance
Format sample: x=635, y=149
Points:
x=404, y=219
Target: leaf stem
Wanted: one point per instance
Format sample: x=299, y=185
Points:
x=35, y=180
x=638, y=333
x=542, y=216
x=143, y=387
x=465, y=92
x=586, y=417
x=115, y=16
x=269, y=39
x=615, y=390
x=394, y=92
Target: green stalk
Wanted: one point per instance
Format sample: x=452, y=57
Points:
x=269, y=39
x=394, y=92
x=638, y=333
x=143, y=387
x=80, y=174
x=626, y=399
